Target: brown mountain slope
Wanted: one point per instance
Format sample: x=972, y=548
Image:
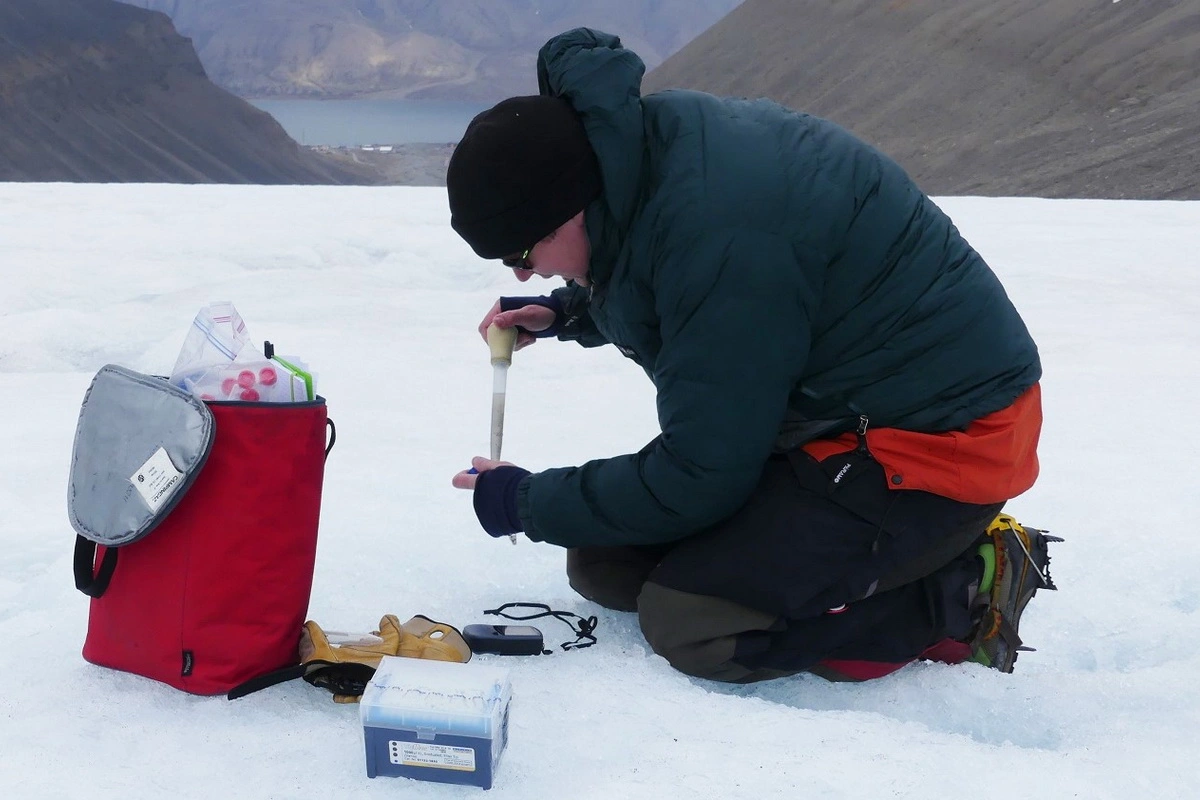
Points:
x=95, y=90
x=1053, y=98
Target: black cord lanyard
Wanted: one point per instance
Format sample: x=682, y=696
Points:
x=582, y=629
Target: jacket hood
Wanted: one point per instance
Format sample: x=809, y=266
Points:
x=602, y=81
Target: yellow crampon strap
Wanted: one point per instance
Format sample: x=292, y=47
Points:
x=346, y=665
x=1004, y=522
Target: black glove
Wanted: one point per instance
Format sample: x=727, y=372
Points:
x=551, y=302
x=496, y=500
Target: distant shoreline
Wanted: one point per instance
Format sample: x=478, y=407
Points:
x=353, y=123
x=406, y=164
x=382, y=95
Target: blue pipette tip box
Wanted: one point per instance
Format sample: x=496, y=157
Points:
x=436, y=720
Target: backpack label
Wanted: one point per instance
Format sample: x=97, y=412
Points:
x=155, y=479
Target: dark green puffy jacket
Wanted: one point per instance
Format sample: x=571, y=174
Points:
x=776, y=278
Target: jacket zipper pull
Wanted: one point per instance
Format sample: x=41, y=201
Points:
x=861, y=433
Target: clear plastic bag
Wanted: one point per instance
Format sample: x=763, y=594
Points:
x=217, y=338
x=218, y=362
x=255, y=381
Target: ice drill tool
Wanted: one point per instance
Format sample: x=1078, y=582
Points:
x=500, y=342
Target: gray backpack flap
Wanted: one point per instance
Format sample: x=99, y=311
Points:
x=139, y=445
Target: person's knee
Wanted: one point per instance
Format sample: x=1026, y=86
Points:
x=610, y=576
x=698, y=635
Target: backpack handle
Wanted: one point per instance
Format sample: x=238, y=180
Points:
x=87, y=580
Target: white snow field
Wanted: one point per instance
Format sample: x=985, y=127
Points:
x=373, y=287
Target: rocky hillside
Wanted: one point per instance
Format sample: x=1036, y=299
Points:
x=466, y=49
x=1054, y=98
x=95, y=90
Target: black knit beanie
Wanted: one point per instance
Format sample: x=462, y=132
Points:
x=522, y=169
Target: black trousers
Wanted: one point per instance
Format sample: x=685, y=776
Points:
x=761, y=594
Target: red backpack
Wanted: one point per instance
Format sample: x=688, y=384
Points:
x=196, y=529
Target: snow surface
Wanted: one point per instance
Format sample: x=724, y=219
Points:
x=376, y=291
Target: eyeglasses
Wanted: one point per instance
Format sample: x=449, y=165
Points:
x=518, y=262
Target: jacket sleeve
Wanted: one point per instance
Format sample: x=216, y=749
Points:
x=734, y=311
x=577, y=324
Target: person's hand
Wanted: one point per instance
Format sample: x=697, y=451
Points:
x=467, y=478
x=534, y=318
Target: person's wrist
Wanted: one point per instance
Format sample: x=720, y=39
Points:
x=495, y=500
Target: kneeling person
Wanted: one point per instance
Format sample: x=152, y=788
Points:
x=846, y=395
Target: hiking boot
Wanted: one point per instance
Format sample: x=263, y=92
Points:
x=1016, y=564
